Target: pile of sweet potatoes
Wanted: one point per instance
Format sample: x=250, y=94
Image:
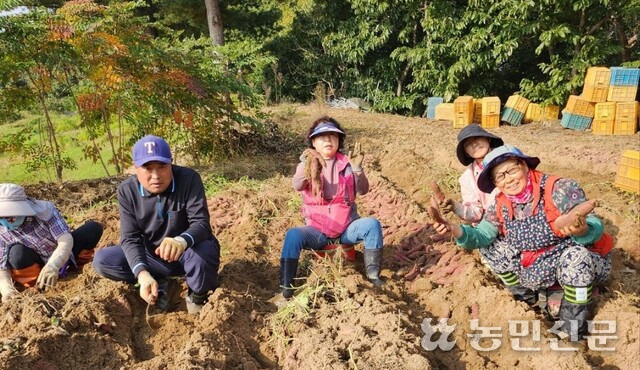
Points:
x=418, y=249
x=431, y=256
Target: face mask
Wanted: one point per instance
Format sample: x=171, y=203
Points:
x=12, y=225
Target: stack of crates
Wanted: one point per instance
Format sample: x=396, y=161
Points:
x=490, y=112
x=534, y=113
x=432, y=103
x=444, y=111
x=514, y=110
x=623, y=85
x=464, y=109
x=628, y=176
x=596, y=84
x=605, y=114
x=626, y=121
x=578, y=113
x=551, y=112
x=477, y=115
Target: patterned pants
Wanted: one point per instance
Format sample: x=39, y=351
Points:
x=579, y=267
x=501, y=257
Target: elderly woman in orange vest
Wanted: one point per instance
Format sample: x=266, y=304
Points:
x=549, y=220
x=36, y=245
x=329, y=181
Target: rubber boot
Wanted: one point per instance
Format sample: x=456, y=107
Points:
x=574, y=311
x=168, y=294
x=520, y=293
x=574, y=317
x=288, y=271
x=523, y=294
x=372, y=259
x=195, y=302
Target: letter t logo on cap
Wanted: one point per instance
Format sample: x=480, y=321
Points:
x=150, y=145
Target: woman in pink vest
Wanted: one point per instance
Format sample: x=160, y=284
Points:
x=329, y=181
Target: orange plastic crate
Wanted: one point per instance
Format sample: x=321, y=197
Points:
x=601, y=126
x=628, y=176
x=477, y=115
x=579, y=106
x=444, y=111
x=595, y=94
x=518, y=103
x=598, y=76
x=534, y=113
x=551, y=112
x=463, y=109
x=490, y=105
x=490, y=120
x=622, y=93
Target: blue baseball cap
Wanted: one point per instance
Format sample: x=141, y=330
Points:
x=324, y=128
x=151, y=148
x=497, y=156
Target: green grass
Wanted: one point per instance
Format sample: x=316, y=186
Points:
x=71, y=138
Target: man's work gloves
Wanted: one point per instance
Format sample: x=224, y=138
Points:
x=171, y=249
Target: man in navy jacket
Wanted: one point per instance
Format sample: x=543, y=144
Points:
x=164, y=230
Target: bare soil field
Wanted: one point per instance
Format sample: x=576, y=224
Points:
x=339, y=320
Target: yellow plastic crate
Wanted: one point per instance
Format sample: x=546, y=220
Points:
x=625, y=127
x=477, y=115
x=605, y=111
x=551, y=112
x=595, y=94
x=622, y=93
x=626, y=111
x=534, y=113
x=598, y=76
x=490, y=105
x=628, y=176
x=602, y=126
x=579, y=106
x=518, y=103
x=490, y=120
x=463, y=110
x=444, y=111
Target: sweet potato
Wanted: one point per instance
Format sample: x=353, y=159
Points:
x=451, y=268
x=435, y=215
x=415, y=246
x=446, y=257
x=439, y=237
x=431, y=270
x=475, y=311
x=413, y=273
x=401, y=257
x=460, y=269
x=437, y=193
x=576, y=215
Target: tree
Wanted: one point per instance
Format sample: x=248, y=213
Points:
x=214, y=21
x=31, y=61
